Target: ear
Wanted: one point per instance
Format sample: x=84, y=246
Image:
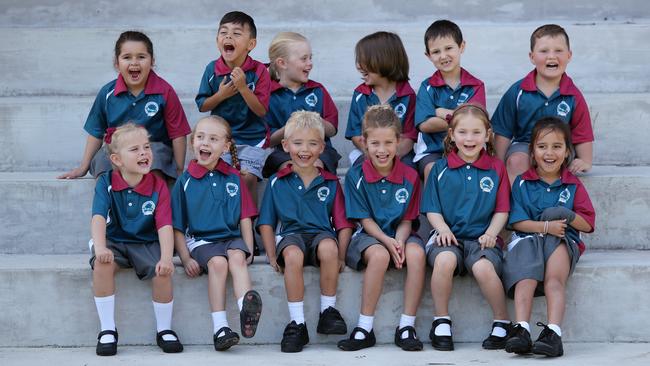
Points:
x=251, y=44
x=115, y=160
x=322, y=147
x=570, y=55
x=462, y=47
x=285, y=145
x=450, y=133
x=280, y=62
x=530, y=57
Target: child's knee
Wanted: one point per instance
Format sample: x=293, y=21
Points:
x=293, y=256
x=236, y=258
x=378, y=256
x=414, y=254
x=518, y=163
x=218, y=264
x=327, y=250
x=483, y=269
x=445, y=262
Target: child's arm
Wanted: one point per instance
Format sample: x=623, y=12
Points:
x=165, y=267
x=93, y=144
x=246, y=228
x=98, y=234
x=357, y=141
x=268, y=239
x=401, y=235
x=445, y=236
x=239, y=80
x=584, y=158
x=191, y=266
x=404, y=147
x=179, y=147
x=501, y=145
x=371, y=227
x=277, y=136
x=554, y=227
x=489, y=239
x=433, y=124
x=343, y=237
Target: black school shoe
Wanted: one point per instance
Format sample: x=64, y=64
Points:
x=441, y=343
x=249, y=316
x=106, y=349
x=330, y=321
x=411, y=342
x=352, y=344
x=518, y=341
x=229, y=339
x=548, y=343
x=174, y=346
x=494, y=342
x=294, y=338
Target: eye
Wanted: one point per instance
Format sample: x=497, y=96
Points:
x=147, y=147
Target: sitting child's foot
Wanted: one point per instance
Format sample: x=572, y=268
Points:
x=407, y=339
x=519, y=341
x=249, y=316
x=168, y=341
x=224, y=338
x=294, y=338
x=106, y=343
x=359, y=339
x=548, y=343
x=438, y=341
x=330, y=321
x=494, y=341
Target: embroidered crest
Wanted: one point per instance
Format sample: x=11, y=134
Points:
x=563, y=109
x=311, y=100
x=251, y=86
x=400, y=110
x=148, y=208
x=232, y=189
x=323, y=193
x=486, y=184
x=402, y=195
x=462, y=98
x=564, y=196
x=151, y=108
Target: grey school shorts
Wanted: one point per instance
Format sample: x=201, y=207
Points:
x=467, y=253
x=330, y=158
x=163, y=160
x=308, y=244
x=362, y=241
x=142, y=257
x=251, y=159
x=522, y=147
x=429, y=158
x=203, y=253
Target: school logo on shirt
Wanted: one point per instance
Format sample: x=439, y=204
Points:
x=151, y=109
x=251, y=86
x=400, y=110
x=462, y=98
x=323, y=193
x=564, y=196
x=402, y=195
x=563, y=109
x=232, y=189
x=486, y=184
x=311, y=100
x=148, y=208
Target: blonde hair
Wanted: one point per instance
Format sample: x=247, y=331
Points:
x=120, y=134
x=474, y=110
x=381, y=116
x=279, y=48
x=304, y=120
x=226, y=127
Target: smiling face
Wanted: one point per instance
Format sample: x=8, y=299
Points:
x=371, y=78
x=133, y=155
x=295, y=68
x=445, y=53
x=234, y=43
x=550, y=55
x=134, y=63
x=470, y=136
x=209, y=141
x=304, y=147
x=549, y=152
x=381, y=148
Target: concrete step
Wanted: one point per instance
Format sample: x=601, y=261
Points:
x=69, y=13
x=46, y=133
x=30, y=282
x=43, y=215
x=496, y=53
x=575, y=354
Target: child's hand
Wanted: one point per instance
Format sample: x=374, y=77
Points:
x=74, y=173
x=341, y=265
x=226, y=89
x=579, y=166
x=446, y=239
x=103, y=255
x=557, y=227
x=238, y=77
x=396, y=252
x=487, y=241
x=164, y=268
x=192, y=268
x=273, y=262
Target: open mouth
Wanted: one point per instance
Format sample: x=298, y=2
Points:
x=304, y=157
x=144, y=163
x=228, y=48
x=382, y=159
x=204, y=154
x=552, y=66
x=134, y=74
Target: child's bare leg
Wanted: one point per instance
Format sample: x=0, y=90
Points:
x=377, y=258
x=427, y=170
x=104, y=278
x=328, y=256
x=491, y=287
x=415, y=269
x=162, y=289
x=241, y=279
x=217, y=276
x=442, y=281
x=524, y=293
x=294, y=282
x=557, y=273
x=516, y=164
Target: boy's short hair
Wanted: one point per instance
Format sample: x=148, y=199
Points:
x=239, y=17
x=383, y=53
x=304, y=120
x=551, y=30
x=442, y=28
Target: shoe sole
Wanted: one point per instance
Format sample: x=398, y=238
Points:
x=443, y=348
x=291, y=349
x=229, y=343
x=518, y=350
x=252, y=310
x=546, y=352
x=493, y=346
x=106, y=353
x=410, y=349
x=339, y=330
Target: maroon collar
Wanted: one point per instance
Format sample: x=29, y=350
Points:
x=566, y=84
x=372, y=175
x=466, y=79
x=221, y=68
x=287, y=170
x=198, y=171
x=402, y=88
x=145, y=187
x=566, y=177
x=310, y=84
x=484, y=161
x=154, y=85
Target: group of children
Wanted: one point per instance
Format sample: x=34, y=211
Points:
x=273, y=121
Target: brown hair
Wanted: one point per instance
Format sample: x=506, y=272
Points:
x=551, y=30
x=223, y=123
x=473, y=110
x=381, y=116
x=279, y=48
x=121, y=132
x=240, y=18
x=383, y=53
x=440, y=29
x=543, y=127
x=134, y=36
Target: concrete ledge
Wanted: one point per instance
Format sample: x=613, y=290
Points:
x=595, y=300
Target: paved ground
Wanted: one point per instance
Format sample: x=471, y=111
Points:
x=466, y=354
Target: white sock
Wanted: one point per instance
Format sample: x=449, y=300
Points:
x=326, y=302
x=365, y=322
x=163, y=314
x=556, y=329
x=498, y=331
x=525, y=325
x=240, y=303
x=405, y=321
x=297, y=311
x=442, y=329
x=219, y=321
x=106, y=311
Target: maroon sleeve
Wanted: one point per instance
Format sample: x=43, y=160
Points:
x=248, y=207
x=263, y=85
x=503, y=193
x=479, y=96
x=338, y=211
x=408, y=129
x=330, y=113
x=581, y=130
x=163, y=211
x=413, y=210
x=174, y=115
x=583, y=207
